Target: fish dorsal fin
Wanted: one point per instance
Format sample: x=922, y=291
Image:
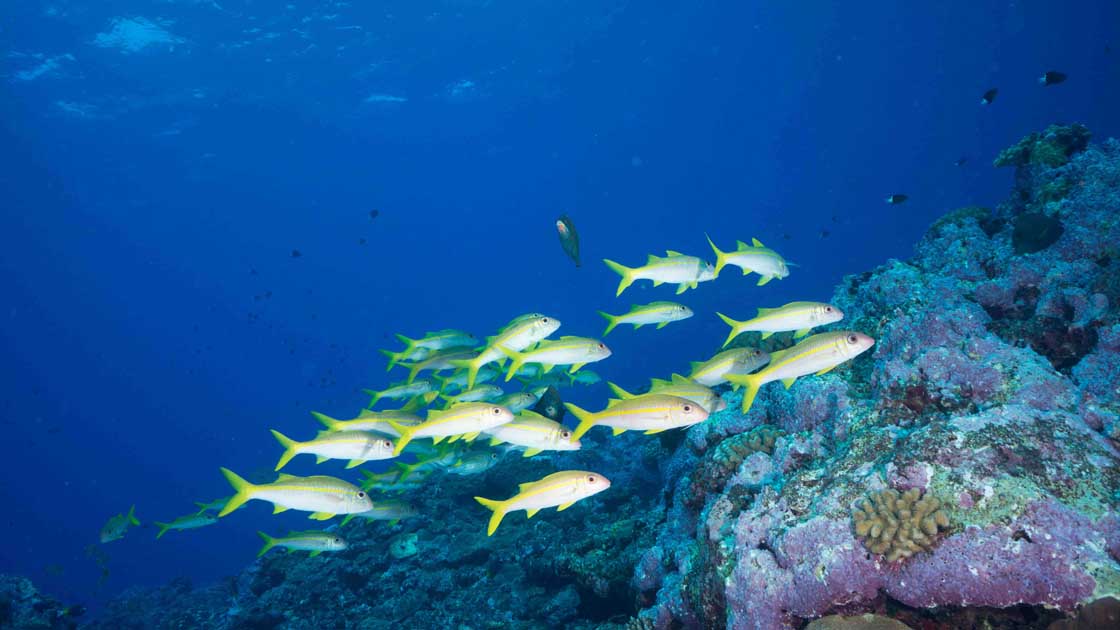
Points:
x=658, y=382
x=651, y=259
x=564, y=506
x=777, y=355
x=367, y=413
x=670, y=252
x=679, y=380
x=522, y=487
x=788, y=382
x=286, y=477
x=757, y=243
x=763, y=311
x=611, y=402
x=740, y=245
x=693, y=365
x=618, y=431
x=532, y=512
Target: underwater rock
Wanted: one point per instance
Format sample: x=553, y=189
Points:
x=861, y=622
x=1052, y=148
x=1035, y=232
x=23, y=606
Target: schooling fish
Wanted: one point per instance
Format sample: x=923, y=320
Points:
x=214, y=505
x=116, y=527
x=756, y=257
x=652, y=413
x=314, y=541
x=585, y=377
x=800, y=317
x=660, y=313
x=400, y=391
x=323, y=496
x=682, y=388
x=191, y=521
x=517, y=335
x=675, y=268
x=569, y=238
x=896, y=199
x=989, y=96
x=464, y=420
x=561, y=489
x=440, y=340
x=519, y=401
x=441, y=360
x=357, y=446
x=418, y=353
x=535, y=433
x=474, y=463
x=392, y=511
x=714, y=371
x=817, y=354
x=376, y=421
x=481, y=393
x=458, y=380
x=574, y=351
x=1052, y=78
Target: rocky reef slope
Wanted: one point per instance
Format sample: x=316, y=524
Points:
x=964, y=474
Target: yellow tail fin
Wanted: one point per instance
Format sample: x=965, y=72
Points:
x=330, y=423
x=269, y=543
x=163, y=528
x=517, y=360
x=626, y=272
x=734, y=324
x=243, y=491
x=752, y=382
x=289, y=448
x=132, y=516
x=585, y=417
x=499, y=512
x=404, y=439
x=394, y=357
x=721, y=256
x=612, y=321
x=374, y=396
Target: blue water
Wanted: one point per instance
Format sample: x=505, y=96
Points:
x=152, y=198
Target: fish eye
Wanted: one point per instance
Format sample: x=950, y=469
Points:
x=852, y=339
x=337, y=541
x=828, y=309
x=591, y=479
x=687, y=408
x=361, y=495
x=601, y=346
x=565, y=434
x=387, y=444
x=497, y=411
x=544, y=320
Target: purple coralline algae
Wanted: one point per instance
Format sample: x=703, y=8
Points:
x=992, y=388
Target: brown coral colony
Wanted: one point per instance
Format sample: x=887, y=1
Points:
x=898, y=525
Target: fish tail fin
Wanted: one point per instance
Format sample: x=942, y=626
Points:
x=163, y=528
x=413, y=370
x=202, y=507
x=330, y=423
x=269, y=543
x=517, y=360
x=289, y=445
x=618, y=391
x=394, y=357
x=374, y=396
x=404, y=439
x=585, y=417
x=612, y=321
x=132, y=516
x=721, y=256
x=243, y=491
x=734, y=324
x=473, y=366
x=752, y=382
x=499, y=511
x=405, y=470
x=626, y=272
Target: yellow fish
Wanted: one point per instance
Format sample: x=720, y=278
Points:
x=560, y=489
x=675, y=268
x=464, y=420
x=652, y=413
x=756, y=257
x=800, y=317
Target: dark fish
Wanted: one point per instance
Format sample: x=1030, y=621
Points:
x=961, y=162
x=296, y=253
x=361, y=241
x=550, y=405
x=1052, y=78
x=569, y=238
x=825, y=233
x=989, y=96
x=896, y=199
x=373, y=214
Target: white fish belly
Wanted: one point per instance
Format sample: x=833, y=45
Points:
x=304, y=500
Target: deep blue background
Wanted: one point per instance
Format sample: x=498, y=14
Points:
x=137, y=357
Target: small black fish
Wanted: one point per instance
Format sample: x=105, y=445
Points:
x=361, y=241
x=569, y=238
x=373, y=214
x=1052, y=78
x=550, y=405
x=825, y=233
x=896, y=199
x=296, y=253
x=961, y=162
x=989, y=96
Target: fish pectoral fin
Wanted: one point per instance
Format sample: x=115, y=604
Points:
x=546, y=367
x=653, y=431
x=788, y=382
x=825, y=370
x=439, y=438
x=319, y=459
x=618, y=431
x=529, y=452
x=469, y=437
x=276, y=509
x=354, y=463
x=637, y=326
x=575, y=367
x=495, y=441
x=662, y=325
x=564, y=506
x=314, y=553
x=658, y=283
x=764, y=279
x=531, y=513
x=801, y=333
x=321, y=516
x=682, y=287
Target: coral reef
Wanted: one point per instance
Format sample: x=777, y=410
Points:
x=22, y=606
x=898, y=525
